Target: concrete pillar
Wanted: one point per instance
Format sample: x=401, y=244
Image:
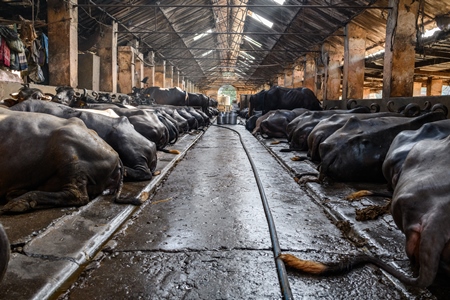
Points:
x=160, y=74
x=417, y=89
x=399, y=56
x=280, y=80
x=126, y=69
x=149, y=69
x=169, y=76
x=332, y=90
x=182, y=83
x=288, y=77
x=434, y=87
x=62, y=20
x=107, y=51
x=310, y=72
x=298, y=76
x=176, y=78
x=89, y=71
x=354, y=53
x=139, y=70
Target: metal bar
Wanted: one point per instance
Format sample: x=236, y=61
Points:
x=224, y=49
x=243, y=33
x=235, y=5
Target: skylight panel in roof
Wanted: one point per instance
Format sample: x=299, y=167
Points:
x=252, y=41
x=199, y=36
x=244, y=63
x=260, y=19
x=246, y=55
x=279, y=1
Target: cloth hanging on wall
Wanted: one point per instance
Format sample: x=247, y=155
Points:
x=44, y=45
x=5, y=54
x=27, y=33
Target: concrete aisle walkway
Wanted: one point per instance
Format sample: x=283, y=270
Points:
x=204, y=235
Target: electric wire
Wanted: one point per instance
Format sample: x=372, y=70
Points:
x=281, y=270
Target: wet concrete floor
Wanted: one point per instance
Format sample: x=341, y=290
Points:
x=203, y=234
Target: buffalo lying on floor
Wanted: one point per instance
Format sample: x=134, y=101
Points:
x=356, y=151
x=182, y=123
x=328, y=126
x=4, y=252
x=274, y=123
x=299, y=129
x=198, y=100
x=404, y=142
x=168, y=96
x=54, y=162
x=283, y=98
x=137, y=153
x=419, y=207
x=145, y=122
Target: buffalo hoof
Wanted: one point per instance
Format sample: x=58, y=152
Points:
x=133, y=200
x=305, y=178
x=18, y=205
x=357, y=195
x=299, y=158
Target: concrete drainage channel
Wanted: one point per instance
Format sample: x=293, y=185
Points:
x=47, y=259
x=379, y=237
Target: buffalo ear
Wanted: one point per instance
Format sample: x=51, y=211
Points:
x=352, y=124
x=14, y=95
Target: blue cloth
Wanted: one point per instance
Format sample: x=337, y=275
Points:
x=44, y=44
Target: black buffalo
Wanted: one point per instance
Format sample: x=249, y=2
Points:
x=404, y=142
x=52, y=161
x=4, y=252
x=328, y=126
x=137, y=153
x=299, y=129
x=283, y=98
x=275, y=125
x=356, y=151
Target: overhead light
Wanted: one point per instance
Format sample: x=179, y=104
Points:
x=260, y=19
x=199, y=36
x=279, y=1
x=430, y=32
x=206, y=53
x=252, y=41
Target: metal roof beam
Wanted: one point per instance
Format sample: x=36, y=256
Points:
x=287, y=6
x=241, y=33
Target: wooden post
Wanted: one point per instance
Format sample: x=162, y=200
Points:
x=107, y=51
x=126, y=69
x=399, y=56
x=160, y=74
x=354, y=54
x=62, y=19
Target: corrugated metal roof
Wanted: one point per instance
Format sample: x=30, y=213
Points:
x=168, y=28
